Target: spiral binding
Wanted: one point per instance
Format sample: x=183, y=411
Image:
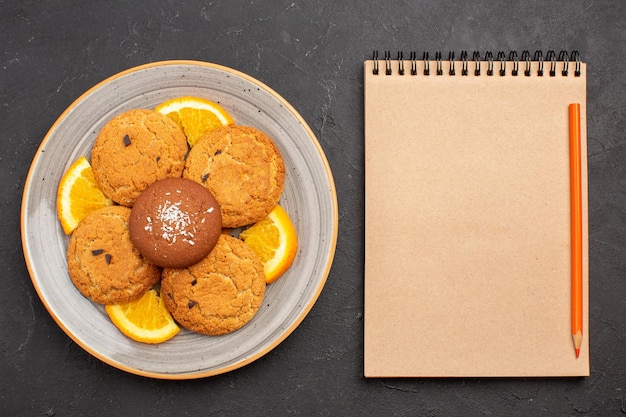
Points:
x=525, y=61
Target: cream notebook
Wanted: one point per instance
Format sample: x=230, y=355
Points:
x=467, y=215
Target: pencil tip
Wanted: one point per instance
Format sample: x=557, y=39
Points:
x=578, y=340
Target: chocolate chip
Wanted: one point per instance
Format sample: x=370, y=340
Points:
x=191, y=303
x=217, y=152
x=126, y=140
x=158, y=158
x=169, y=294
x=97, y=252
x=194, y=282
x=107, y=257
x=205, y=177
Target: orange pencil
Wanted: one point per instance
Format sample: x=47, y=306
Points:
x=577, y=225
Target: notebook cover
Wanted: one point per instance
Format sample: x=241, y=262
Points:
x=467, y=214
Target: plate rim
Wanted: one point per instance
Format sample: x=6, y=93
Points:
x=306, y=308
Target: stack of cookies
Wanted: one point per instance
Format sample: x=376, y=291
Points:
x=167, y=226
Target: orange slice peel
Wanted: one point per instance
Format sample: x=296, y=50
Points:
x=275, y=240
x=196, y=116
x=78, y=195
x=145, y=320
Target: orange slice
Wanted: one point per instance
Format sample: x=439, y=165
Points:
x=195, y=115
x=144, y=320
x=275, y=240
x=78, y=195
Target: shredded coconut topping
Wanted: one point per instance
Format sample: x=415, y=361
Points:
x=174, y=223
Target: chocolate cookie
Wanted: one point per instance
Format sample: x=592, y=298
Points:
x=102, y=261
x=175, y=222
x=133, y=150
x=219, y=294
x=243, y=169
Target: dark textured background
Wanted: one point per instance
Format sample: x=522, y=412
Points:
x=311, y=53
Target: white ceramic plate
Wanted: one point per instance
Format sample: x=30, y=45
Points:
x=309, y=198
